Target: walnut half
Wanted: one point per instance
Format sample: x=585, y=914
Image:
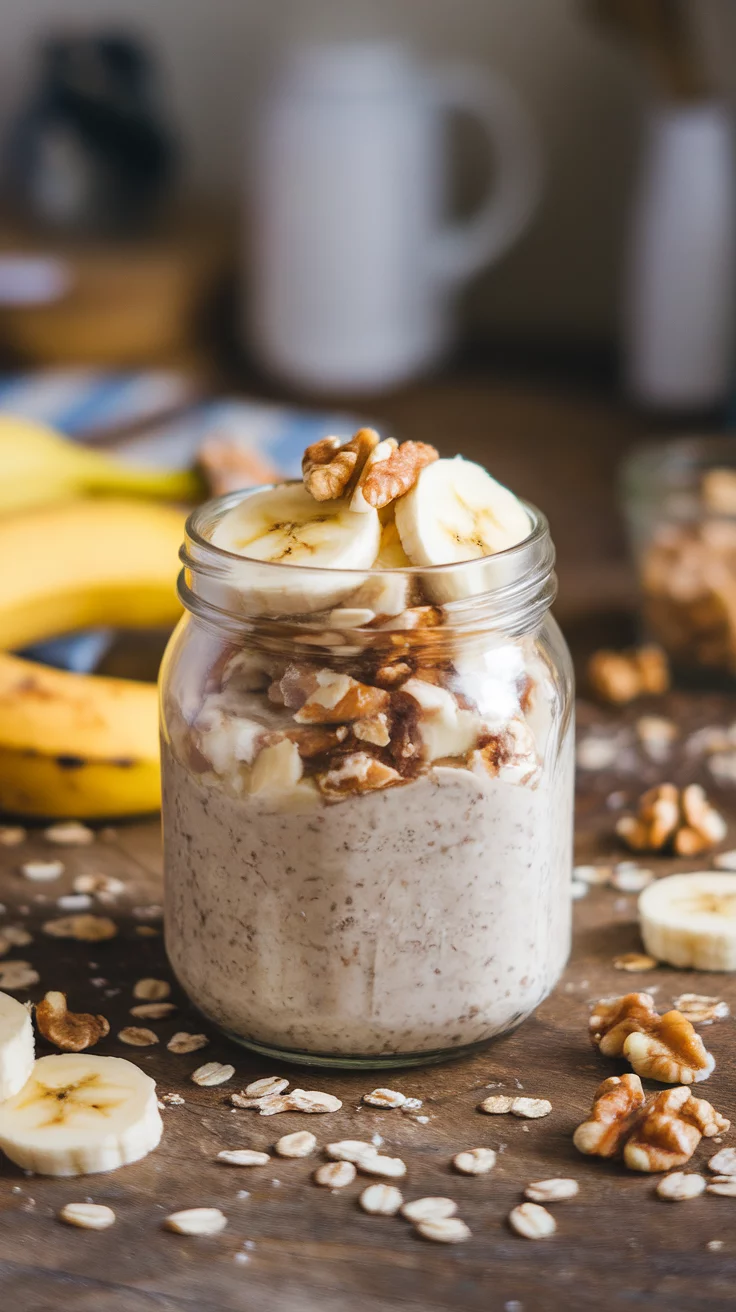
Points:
x=667, y=816
x=615, y=1107
x=665, y=1048
x=653, y=1136
x=68, y=1030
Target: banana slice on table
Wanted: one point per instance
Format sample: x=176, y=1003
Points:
x=286, y=526
x=78, y=1114
x=16, y=1046
x=456, y=512
x=690, y=920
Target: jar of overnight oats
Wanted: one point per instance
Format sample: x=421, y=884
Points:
x=367, y=789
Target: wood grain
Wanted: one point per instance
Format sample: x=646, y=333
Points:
x=617, y=1244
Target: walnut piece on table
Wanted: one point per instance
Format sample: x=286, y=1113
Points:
x=615, y=1107
x=670, y=1130
x=618, y=677
x=669, y=817
x=665, y=1048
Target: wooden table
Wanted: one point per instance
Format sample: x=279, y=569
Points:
x=307, y=1249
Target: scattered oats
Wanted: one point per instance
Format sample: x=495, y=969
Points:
x=153, y=1010
x=350, y=1150
x=597, y=753
x=391, y=1168
x=151, y=912
x=411, y=1104
x=88, y=1216
x=532, y=1221
x=183, y=1042
x=74, y=902
x=137, y=1037
x=551, y=1191
x=701, y=1009
x=69, y=834
x=151, y=990
x=429, y=1209
x=714, y=1245
x=42, y=870
x=299, y=1144
x=212, y=1074
x=680, y=1186
x=270, y=1084
x=104, y=887
x=11, y=835
x=531, y=1108
x=475, y=1161
x=631, y=879
x=147, y=931
x=724, y=1162
x=634, y=962
x=111, y=993
x=312, y=1101
x=422, y=1120
x=578, y=889
x=725, y=1185
x=241, y=1258
x=385, y=1098
x=13, y=936
x=381, y=1199
x=17, y=975
x=270, y=1105
x=722, y=766
x=197, y=1221
x=84, y=928
x=243, y=1157
x=592, y=874
x=615, y=801
x=377, y=1139
x=656, y=736
x=334, y=1175
x=497, y=1105
x=243, y=1193
x=445, y=1230
x=173, y=1099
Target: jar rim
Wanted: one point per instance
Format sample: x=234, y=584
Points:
x=510, y=588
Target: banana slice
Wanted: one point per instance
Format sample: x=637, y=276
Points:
x=16, y=1046
x=286, y=526
x=690, y=920
x=78, y=1114
x=456, y=512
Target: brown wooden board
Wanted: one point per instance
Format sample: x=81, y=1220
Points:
x=617, y=1245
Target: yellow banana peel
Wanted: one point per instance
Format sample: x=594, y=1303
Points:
x=73, y=744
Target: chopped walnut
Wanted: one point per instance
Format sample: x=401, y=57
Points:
x=614, y=1019
x=668, y=816
x=510, y=755
x=68, y=1030
x=616, y=1106
x=395, y=476
x=357, y=773
x=664, y=1048
x=392, y=674
x=670, y=1130
x=621, y=676
x=374, y=730
x=330, y=469
x=312, y=740
x=338, y=698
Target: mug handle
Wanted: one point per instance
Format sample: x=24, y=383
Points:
x=463, y=248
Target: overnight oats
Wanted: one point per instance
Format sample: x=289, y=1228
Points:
x=367, y=735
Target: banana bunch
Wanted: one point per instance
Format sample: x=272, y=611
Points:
x=70, y=1114
x=81, y=745
x=39, y=467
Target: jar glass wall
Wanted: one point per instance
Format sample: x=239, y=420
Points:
x=367, y=804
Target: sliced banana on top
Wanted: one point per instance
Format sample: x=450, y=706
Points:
x=690, y=920
x=456, y=512
x=77, y=1114
x=286, y=526
x=16, y=1045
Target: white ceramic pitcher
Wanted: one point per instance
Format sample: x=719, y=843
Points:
x=352, y=268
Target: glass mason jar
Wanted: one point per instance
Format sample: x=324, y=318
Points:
x=367, y=800
x=680, y=500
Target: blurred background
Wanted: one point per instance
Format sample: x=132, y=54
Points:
x=505, y=228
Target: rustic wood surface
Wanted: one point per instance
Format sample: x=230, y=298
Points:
x=617, y=1245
